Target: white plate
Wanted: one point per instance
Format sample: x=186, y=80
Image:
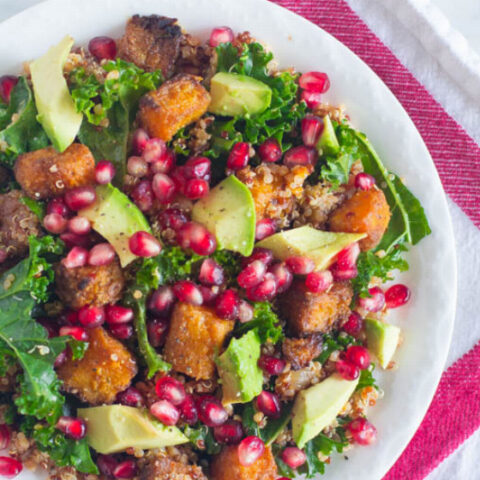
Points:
x=427, y=321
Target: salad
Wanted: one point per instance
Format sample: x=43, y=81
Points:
x=193, y=247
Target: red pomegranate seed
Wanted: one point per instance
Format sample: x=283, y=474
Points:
x=250, y=449
x=7, y=82
x=300, y=155
x=239, y=156
x=347, y=370
x=106, y=464
x=104, y=172
x=79, y=225
x=164, y=164
x=264, y=228
x=55, y=223
x=245, y=311
x=230, y=433
x=4, y=437
x=73, y=240
x=196, y=237
x=226, y=304
x=125, y=469
x=264, y=291
x=375, y=303
x=318, y=282
x=180, y=178
x=168, y=388
x=397, y=295
x=252, y=274
x=358, y=356
x=211, y=411
x=154, y=150
x=188, y=292
x=102, y=48
x=131, y=397
x=364, y=181
x=157, y=331
x=271, y=365
x=61, y=359
x=269, y=151
x=72, y=427
x=346, y=273
x=312, y=128
x=188, y=410
x=101, y=254
x=347, y=258
x=122, y=332
x=172, y=218
x=162, y=300
x=91, y=316
x=220, y=35
x=165, y=411
x=263, y=254
x=57, y=205
x=143, y=244
x=9, y=467
x=139, y=141
x=80, y=197
x=196, y=188
x=137, y=167
x=211, y=273
x=142, y=195
x=312, y=99
x=314, y=82
x=68, y=317
x=76, y=257
x=163, y=188
x=362, y=431
x=269, y=404
x=294, y=457
x=300, y=265
x=354, y=324
x=209, y=294
x=198, y=167
x=283, y=276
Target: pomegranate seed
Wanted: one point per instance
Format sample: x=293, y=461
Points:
x=245, y=311
x=230, y=433
x=80, y=197
x=180, y=178
x=54, y=223
x=271, y=365
x=188, y=292
x=269, y=404
x=162, y=300
x=76, y=257
x=106, y=464
x=72, y=427
x=172, y=218
x=9, y=467
x=347, y=257
x=154, y=150
x=300, y=155
x=354, y=324
x=168, y=388
x=397, y=295
x=101, y=254
x=79, y=225
x=300, y=265
x=264, y=228
x=346, y=273
x=312, y=99
x=7, y=82
x=264, y=291
x=4, y=437
x=294, y=457
x=104, y=172
x=198, y=167
x=375, y=303
x=283, y=276
x=226, y=304
x=270, y=151
x=143, y=244
x=125, y=469
x=358, y=356
x=163, y=188
x=3, y=255
x=78, y=333
x=211, y=273
x=164, y=164
x=61, y=359
x=362, y=431
x=131, y=397
x=196, y=188
x=69, y=317
x=102, y=48
x=73, y=240
x=250, y=449
x=188, y=410
x=139, y=141
x=142, y=195
x=122, y=332
x=318, y=282
x=209, y=294
x=211, y=411
x=196, y=237
x=220, y=35
x=347, y=370
x=364, y=181
x=57, y=205
x=252, y=274
x=165, y=412
x=239, y=156
x=312, y=128
x=263, y=254
x=91, y=316
x=157, y=331
x=137, y=167
x=314, y=82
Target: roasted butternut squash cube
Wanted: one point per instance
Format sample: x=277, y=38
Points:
x=106, y=369
x=196, y=336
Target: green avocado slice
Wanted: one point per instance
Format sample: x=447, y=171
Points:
x=382, y=340
x=328, y=142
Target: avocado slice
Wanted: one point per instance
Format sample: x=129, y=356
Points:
x=317, y=407
x=228, y=211
x=56, y=109
x=382, y=340
x=114, y=216
x=306, y=241
x=114, y=428
x=238, y=95
x=242, y=378
x=328, y=142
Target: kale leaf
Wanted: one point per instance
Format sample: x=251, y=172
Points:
x=265, y=321
x=367, y=379
x=37, y=207
x=202, y=438
x=333, y=342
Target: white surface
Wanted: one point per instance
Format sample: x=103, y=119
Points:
x=374, y=110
